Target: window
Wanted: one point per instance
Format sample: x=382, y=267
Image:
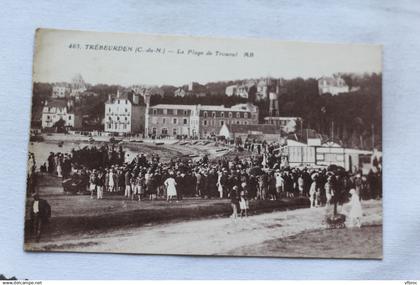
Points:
x=126, y=102
x=175, y=121
x=246, y=115
x=48, y=117
x=116, y=125
x=109, y=110
x=238, y=115
x=165, y=111
x=174, y=132
x=164, y=131
x=205, y=114
x=164, y=120
x=154, y=112
x=185, y=121
x=245, y=123
x=205, y=122
x=118, y=118
x=126, y=118
x=69, y=117
x=175, y=111
x=118, y=101
x=109, y=126
x=237, y=122
x=126, y=110
x=185, y=112
x=213, y=114
x=222, y=114
x=222, y=123
x=154, y=131
x=230, y=114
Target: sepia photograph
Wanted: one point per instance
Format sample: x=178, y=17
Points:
x=180, y=145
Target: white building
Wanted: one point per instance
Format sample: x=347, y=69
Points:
x=124, y=113
x=333, y=85
x=241, y=90
x=55, y=110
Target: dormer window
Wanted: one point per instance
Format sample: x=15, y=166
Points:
x=205, y=114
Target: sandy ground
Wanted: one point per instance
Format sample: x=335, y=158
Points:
x=218, y=236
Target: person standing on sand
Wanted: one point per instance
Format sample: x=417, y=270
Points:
x=127, y=182
x=92, y=183
x=243, y=202
x=40, y=214
x=355, y=213
x=111, y=181
x=100, y=183
x=170, y=185
x=234, y=201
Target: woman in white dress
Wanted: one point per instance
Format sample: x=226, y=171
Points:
x=170, y=185
x=219, y=184
x=355, y=213
x=111, y=182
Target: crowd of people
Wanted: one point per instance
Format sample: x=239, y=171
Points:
x=261, y=176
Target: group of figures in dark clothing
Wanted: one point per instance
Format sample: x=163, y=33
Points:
x=102, y=170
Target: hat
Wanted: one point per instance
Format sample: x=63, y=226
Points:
x=352, y=191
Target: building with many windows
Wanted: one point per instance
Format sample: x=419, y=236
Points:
x=60, y=91
x=124, y=113
x=199, y=121
x=55, y=110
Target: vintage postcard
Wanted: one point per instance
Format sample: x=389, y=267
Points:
x=155, y=144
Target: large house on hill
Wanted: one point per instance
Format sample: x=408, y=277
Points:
x=55, y=110
x=333, y=85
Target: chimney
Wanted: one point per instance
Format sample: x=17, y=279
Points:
x=147, y=99
x=136, y=99
x=109, y=97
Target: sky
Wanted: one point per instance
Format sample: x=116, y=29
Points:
x=127, y=59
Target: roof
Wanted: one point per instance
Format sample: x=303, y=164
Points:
x=333, y=81
x=263, y=128
x=304, y=135
x=238, y=107
x=56, y=103
x=282, y=118
x=173, y=106
x=125, y=95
